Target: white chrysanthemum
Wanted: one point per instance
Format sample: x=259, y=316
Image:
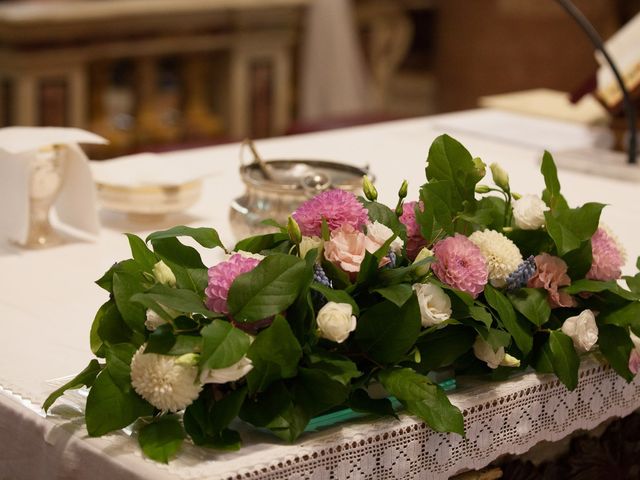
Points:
x=163, y=381
x=501, y=254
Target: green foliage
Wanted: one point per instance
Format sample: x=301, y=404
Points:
x=207, y=237
x=84, y=379
x=532, y=303
x=616, y=345
x=386, y=332
x=338, y=296
x=275, y=354
x=269, y=288
x=570, y=227
x=361, y=402
x=223, y=345
x=398, y=294
x=141, y=253
x=261, y=243
x=443, y=347
x=110, y=408
x=551, y=195
x=161, y=439
x=336, y=367
x=423, y=398
x=512, y=323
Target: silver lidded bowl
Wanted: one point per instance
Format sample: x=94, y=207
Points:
x=275, y=188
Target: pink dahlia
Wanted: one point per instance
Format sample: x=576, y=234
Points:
x=337, y=207
x=221, y=276
x=415, y=240
x=551, y=274
x=608, y=258
x=460, y=264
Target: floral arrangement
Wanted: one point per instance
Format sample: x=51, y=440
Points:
x=350, y=294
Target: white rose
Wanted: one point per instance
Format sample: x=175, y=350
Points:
x=582, y=329
x=378, y=234
x=163, y=274
x=435, y=304
x=309, y=243
x=336, y=322
x=528, y=212
x=494, y=358
x=423, y=255
x=228, y=374
x=153, y=320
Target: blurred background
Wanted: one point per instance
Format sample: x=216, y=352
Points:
x=155, y=75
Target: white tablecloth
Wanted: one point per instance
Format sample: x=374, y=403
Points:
x=48, y=299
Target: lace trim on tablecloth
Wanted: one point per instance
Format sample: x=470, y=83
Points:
x=500, y=418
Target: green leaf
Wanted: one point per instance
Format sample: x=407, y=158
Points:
x=84, y=379
x=628, y=316
x=399, y=293
x=162, y=439
x=517, y=328
x=275, y=354
x=383, y=214
x=440, y=207
x=223, y=345
x=442, y=347
x=368, y=268
x=316, y=392
x=616, y=345
x=564, y=357
x=531, y=242
x=260, y=243
x=337, y=367
x=108, y=327
x=207, y=237
x=394, y=276
x=579, y=260
x=551, y=194
x=533, y=304
x=206, y=421
x=127, y=266
x=225, y=410
x=449, y=160
x=186, y=344
x=275, y=410
x=570, y=227
x=161, y=340
x=423, y=398
x=481, y=314
x=387, y=332
x=592, y=286
x=141, y=253
x=179, y=299
x=109, y=408
x=177, y=256
x=361, y=402
x=269, y=288
x=126, y=286
x=118, y=358
x=338, y=296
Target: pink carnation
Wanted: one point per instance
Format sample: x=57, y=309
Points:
x=221, y=276
x=551, y=274
x=415, y=240
x=460, y=264
x=608, y=259
x=336, y=206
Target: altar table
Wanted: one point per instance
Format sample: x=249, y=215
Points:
x=48, y=300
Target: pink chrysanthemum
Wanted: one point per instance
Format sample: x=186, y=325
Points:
x=338, y=207
x=221, y=276
x=460, y=264
x=608, y=258
x=415, y=240
x=551, y=274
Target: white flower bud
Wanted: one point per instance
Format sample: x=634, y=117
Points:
x=500, y=176
x=510, y=361
x=309, y=243
x=336, y=322
x=485, y=352
x=435, y=304
x=528, y=212
x=582, y=329
x=423, y=255
x=163, y=274
x=227, y=374
x=153, y=320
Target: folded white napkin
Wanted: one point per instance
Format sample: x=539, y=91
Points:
x=143, y=169
x=76, y=203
